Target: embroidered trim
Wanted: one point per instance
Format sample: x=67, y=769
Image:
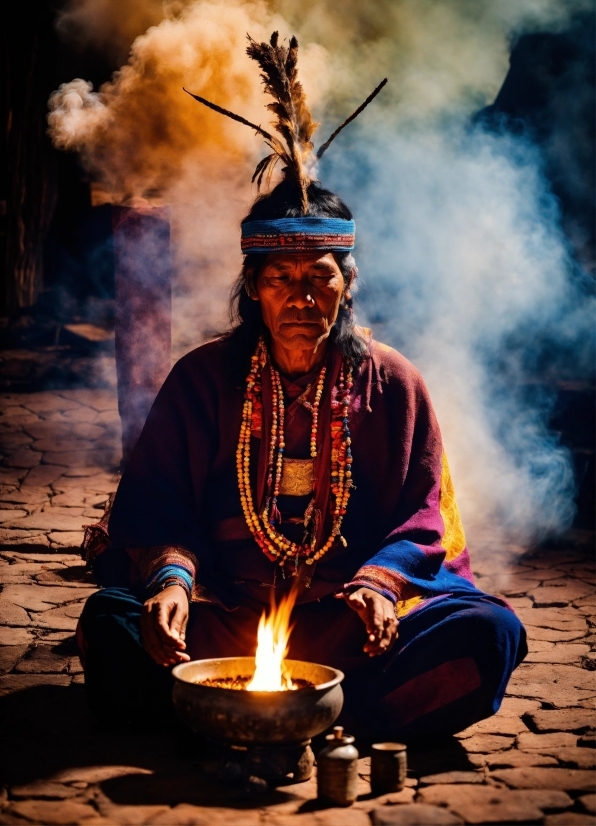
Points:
x=158, y=564
x=297, y=235
x=390, y=584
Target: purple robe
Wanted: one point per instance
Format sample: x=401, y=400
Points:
x=178, y=505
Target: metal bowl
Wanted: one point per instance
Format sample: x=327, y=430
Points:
x=256, y=717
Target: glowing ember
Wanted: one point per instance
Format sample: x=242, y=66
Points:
x=272, y=647
x=240, y=683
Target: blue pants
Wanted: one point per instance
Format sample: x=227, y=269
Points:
x=448, y=668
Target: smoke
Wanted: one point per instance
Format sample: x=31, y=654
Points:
x=465, y=270
x=463, y=262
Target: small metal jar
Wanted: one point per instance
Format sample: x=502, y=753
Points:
x=388, y=767
x=337, y=769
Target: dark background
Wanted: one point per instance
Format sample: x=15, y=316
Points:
x=56, y=255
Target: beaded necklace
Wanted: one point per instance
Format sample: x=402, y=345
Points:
x=262, y=526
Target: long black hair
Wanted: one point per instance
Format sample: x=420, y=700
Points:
x=284, y=201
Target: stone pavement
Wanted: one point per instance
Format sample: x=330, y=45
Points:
x=531, y=763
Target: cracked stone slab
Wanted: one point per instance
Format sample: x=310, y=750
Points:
x=15, y=636
x=557, y=696
x=10, y=656
x=42, y=557
x=184, y=814
x=29, y=568
x=516, y=706
x=131, y=815
x=82, y=459
x=566, y=674
x=576, y=757
x=562, y=654
x=43, y=789
x=75, y=576
x=58, y=445
x=497, y=724
x=485, y=743
x=42, y=660
x=96, y=774
x=48, y=522
x=52, y=812
x=557, y=619
x=67, y=539
x=47, y=401
x=485, y=804
x=514, y=759
x=11, y=513
x=573, y=719
x=417, y=814
x=42, y=597
x=96, y=398
x=578, y=780
x=10, y=534
x=588, y=803
x=569, y=819
x=64, y=618
x=42, y=475
x=561, y=686
x=548, y=743
x=70, y=500
x=13, y=614
x=451, y=777
x=92, y=484
x=56, y=510
x=550, y=635
x=23, y=458
x=27, y=496
x=11, y=476
x=560, y=596
x=20, y=682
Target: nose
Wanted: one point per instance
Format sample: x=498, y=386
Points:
x=300, y=296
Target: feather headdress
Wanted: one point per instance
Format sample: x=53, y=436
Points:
x=294, y=122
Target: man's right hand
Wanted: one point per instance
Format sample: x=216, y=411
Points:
x=163, y=626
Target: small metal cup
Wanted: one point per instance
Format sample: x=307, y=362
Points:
x=388, y=767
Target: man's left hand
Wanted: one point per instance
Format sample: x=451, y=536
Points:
x=378, y=614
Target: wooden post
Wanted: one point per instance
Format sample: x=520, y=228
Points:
x=143, y=313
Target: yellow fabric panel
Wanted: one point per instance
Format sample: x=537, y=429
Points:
x=404, y=606
x=454, y=538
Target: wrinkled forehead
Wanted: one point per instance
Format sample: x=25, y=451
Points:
x=316, y=259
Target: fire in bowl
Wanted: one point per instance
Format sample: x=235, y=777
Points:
x=249, y=717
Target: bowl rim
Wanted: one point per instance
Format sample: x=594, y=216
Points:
x=176, y=672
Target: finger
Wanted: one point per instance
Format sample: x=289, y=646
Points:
x=375, y=626
x=162, y=617
x=178, y=623
x=153, y=642
x=387, y=638
x=356, y=602
x=388, y=635
x=375, y=619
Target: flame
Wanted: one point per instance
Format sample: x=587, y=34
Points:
x=272, y=646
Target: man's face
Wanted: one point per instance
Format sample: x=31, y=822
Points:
x=300, y=294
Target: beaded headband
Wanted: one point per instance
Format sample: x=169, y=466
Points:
x=297, y=235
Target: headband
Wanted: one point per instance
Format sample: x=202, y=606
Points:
x=297, y=235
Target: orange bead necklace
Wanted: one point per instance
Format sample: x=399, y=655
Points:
x=262, y=526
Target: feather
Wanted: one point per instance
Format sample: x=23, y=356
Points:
x=293, y=119
x=354, y=115
x=269, y=138
x=294, y=122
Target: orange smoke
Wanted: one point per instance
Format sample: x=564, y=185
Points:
x=137, y=134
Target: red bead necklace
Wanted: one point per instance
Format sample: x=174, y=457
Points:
x=262, y=526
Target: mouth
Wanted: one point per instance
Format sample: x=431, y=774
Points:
x=300, y=324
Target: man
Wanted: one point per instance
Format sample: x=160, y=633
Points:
x=295, y=451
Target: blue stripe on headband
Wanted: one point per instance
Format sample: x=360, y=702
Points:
x=298, y=234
